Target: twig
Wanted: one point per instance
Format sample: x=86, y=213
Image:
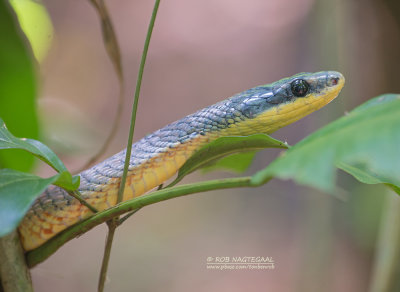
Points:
x=77, y=195
x=112, y=225
x=14, y=273
x=123, y=219
x=38, y=255
x=136, y=100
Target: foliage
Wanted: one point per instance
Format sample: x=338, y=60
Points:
x=17, y=88
x=35, y=22
x=214, y=156
x=18, y=190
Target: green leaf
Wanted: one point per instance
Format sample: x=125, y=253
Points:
x=381, y=99
x=17, y=87
x=36, y=24
x=368, y=138
x=18, y=190
x=236, y=162
x=363, y=175
x=224, y=146
x=8, y=141
x=38, y=149
x=68, y=182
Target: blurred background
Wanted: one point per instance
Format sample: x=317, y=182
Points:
x=202, y=52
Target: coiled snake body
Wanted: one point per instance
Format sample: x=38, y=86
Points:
x=158, y=156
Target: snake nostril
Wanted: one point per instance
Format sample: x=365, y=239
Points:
x=335, y=80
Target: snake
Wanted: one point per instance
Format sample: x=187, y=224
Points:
x=158, y=156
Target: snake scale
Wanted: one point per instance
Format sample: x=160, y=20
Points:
x=158, y=156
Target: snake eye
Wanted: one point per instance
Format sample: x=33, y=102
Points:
x=299, y=87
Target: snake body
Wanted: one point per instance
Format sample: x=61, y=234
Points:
x=158, y=156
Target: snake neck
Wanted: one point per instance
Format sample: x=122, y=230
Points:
x=158, y=156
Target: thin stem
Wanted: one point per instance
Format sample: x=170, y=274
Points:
x=77, y=195
x=123, y=219
x=135, y=103
x=38, y=255
x=112, y=225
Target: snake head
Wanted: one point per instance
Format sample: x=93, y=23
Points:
x=287, y=100
x=309, y=87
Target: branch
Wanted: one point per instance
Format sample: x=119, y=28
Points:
x=14, y=273
x=113, y=224
x=38, y=255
